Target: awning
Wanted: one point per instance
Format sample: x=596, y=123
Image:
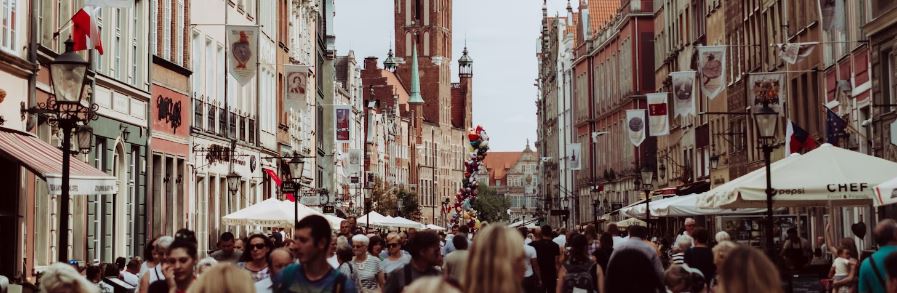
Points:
x=45, y=161
x=886, y=193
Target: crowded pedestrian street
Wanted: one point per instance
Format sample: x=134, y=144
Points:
x=450, y=146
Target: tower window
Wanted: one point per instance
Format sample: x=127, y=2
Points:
x=417, y=10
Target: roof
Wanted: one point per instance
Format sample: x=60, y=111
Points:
x=499, y=163
x=393, y=80
x=600, y=12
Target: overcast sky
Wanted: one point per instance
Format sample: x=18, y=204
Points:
x=502, y=36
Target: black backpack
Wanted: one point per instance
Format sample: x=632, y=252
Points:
x=580, y=275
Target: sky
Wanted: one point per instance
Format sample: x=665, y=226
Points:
x=502, y=37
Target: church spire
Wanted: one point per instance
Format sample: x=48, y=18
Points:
x=415, y=97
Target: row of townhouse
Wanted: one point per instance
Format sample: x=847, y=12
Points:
x=173, y=123
x=596, y=72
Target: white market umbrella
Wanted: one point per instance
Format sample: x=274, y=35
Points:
x=826, y=175
x=886, y=193
x=275, y=213
x=434, y=227
x=686, y=205
x=711, y=198
x=399, y=222
x=630, y=222
x=376, y=219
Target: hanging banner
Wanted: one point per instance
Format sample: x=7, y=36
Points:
x=659, y=121
x=832, y=14
x=766, y=88
x=296, y=81
x=712, y=69
x=574, y=156
x=342, y=114
x=355, y=161
x=242, y=52
x=635, y=126
x=684, y=92
x=795, y=52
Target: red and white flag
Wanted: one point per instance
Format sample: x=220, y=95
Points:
x=85, y=32
x=658, y=120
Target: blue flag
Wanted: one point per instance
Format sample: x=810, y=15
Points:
x=834, y=127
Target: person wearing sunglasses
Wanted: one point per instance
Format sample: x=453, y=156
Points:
x=256, y=257
x=370, y=273
x=395, y=257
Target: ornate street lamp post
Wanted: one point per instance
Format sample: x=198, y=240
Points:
x=648, y=183
x=297, y=166
x=67, y=110
x=766, y=120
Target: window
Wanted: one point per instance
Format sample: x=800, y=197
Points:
x=233, y=124
x=197, y=113
x=242, y=133
x=222, y=121
x=208, y=89
x=8, y=24
x=117, y=43
x=889, y=77
x=179, y=34
x=211, y=118
x=197, y=64
x=251, y=131
x=133, y=31
x=166, y=29
x=154, y=10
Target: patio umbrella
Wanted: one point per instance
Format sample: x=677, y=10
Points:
x=434, y=227
x=710, y=198
x=630, y=222
x=826, y=175
x=886, y=193
x=686, y=205
x=399, y=222
x=268, y=213
x=376, y=219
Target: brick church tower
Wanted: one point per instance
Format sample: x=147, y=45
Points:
x=428, y=24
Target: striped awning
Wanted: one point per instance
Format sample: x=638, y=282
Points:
x=45, y=161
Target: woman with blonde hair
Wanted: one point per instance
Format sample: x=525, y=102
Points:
x=223, y=278
x=61, y=277
x=496, y=261
x=432, y=284
x=721, y=251
x=746, y=269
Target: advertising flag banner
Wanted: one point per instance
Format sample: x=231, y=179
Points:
x=342, y=114
x=574, y=156
x=658, y=118
x=354, y=161
x=684, y=92
x=767, y=88
x=635, y=126
x=242, y=42
x=795, y=52
x=296, y=81
x=712, y=67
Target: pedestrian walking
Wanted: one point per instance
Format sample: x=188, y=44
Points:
x=255, y=257
x=700, y=256
x=376, y=246
x=455, y=263
x=149, y=260
x=872, y=276
x=205, y=264
x=615, y=233
x=531, y=281
x=684, y=279
x=580, y=273
x=891, y=268
x=604, y=251
x=239, y=244
x=226, y=250
x=496, y=261
x=456, y=230
x=94, y=274
x=721, y=236
x=561, y=238
x=682, y=244
x=747, y=270
x=548, y=258
x=844, y=267
x=796, y=251
x=223, y=278
x=313, y=274
x=634, y=266
x=425, y=256
x=370, y=274
x=591, y=234
x=395, y=257
x=344, y=255
x=155, y=273
x=129, y=275
x=280, y=259
x=179, y=267
x=63, y=278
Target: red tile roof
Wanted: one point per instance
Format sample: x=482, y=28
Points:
x=499, y=163
x=600, y=12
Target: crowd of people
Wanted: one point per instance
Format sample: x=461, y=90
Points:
x=496, y=259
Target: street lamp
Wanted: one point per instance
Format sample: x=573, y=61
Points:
x=67, y=110
x=766, y=120
x=648, y=180
x=297, y=166
x=233, y=182
x=595, y=209
x=714, y=161
x=662, y=171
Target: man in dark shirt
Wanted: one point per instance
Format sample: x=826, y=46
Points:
x=425, y=256
x=548, y=257
x=700, y=256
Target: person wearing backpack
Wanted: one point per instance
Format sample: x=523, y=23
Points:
x=579, y=272
x=873, y=276
x=313, y=274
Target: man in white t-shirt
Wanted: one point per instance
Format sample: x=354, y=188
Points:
x=129, y=275
x=689, y=227
x=561, y=239
x=615, y=235
x=531, y=282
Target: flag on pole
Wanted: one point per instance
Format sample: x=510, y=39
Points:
x=712, y=67
x=658, y=119
x=85, y=32
x=635, y=126
x=278, y=182
x=797, y=140
x=684, y=92
x=834, y=127
x=243, y=54
x=796, y=52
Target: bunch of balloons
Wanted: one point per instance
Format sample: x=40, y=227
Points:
x=463, y=212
